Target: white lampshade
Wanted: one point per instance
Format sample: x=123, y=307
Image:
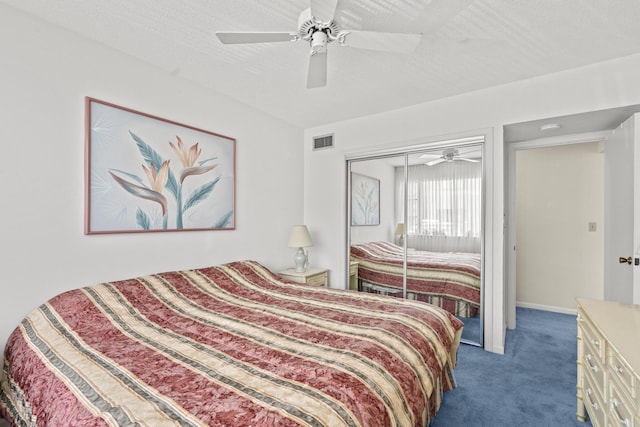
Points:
x=300, y=237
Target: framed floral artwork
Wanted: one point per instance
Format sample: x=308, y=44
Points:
x=144, y=173
x=365, y=200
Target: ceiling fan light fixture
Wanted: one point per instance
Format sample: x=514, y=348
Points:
x=449, y=154
x=318, y=42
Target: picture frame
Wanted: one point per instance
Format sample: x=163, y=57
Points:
x=144, y=173
x=365, y=200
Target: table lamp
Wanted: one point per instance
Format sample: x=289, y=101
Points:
x=400, y=232
x=300, y=239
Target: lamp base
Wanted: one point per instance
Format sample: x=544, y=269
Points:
x=301, y=261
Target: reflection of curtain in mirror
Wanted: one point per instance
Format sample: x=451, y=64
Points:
x=444, y=206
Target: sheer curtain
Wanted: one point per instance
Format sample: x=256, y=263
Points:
x=444, y=206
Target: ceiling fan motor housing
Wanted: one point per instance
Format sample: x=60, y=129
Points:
x=316, y=32
x=449, y=154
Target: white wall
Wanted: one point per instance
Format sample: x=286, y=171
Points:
x=45, y=73
x=559, y=191
x=600, y=86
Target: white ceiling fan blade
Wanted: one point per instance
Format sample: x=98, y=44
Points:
x=392, y=42
x=468, y=160
x=435, y=162
x=317, y=75
x=323, y=10
x=238, y=37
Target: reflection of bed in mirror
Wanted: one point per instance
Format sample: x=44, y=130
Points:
x=450, y=280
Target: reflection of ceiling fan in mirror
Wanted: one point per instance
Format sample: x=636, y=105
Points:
x=316, y=25
x=449, y=155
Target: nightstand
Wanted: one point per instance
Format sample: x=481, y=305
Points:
x=353, y=276
x=313, y=276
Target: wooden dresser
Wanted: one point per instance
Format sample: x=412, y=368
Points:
x=608, y=363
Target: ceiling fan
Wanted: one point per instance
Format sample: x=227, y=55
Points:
x=317, y=26
x=449, y=155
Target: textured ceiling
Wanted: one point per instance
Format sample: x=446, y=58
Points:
x=466, y=45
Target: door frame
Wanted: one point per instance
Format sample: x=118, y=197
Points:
x=629, y=146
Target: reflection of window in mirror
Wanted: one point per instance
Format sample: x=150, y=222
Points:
x=444, y=200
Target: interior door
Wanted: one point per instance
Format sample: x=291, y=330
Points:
x=622, y=210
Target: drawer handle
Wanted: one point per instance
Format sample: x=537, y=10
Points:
x=593, y=404
x=596, y=343
x=621, y=420
x=594, y=368
x=617, y=369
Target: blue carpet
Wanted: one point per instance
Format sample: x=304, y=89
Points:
x=472, y=331
x=532, y=384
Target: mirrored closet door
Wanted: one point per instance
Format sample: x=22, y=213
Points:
x=414, y=226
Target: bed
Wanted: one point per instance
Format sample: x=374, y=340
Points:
x=231, y=345
x=450, y=280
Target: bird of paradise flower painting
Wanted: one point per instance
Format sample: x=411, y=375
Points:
x=150, y=174
x=365, y=200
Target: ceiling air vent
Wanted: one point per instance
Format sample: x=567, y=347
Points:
x=322, y=142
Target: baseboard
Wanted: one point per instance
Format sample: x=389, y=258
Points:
x=562, y=310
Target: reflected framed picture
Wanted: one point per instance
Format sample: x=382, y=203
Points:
x=144, y=173
x=365, y=200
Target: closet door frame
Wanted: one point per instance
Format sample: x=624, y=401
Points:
x=406, y=151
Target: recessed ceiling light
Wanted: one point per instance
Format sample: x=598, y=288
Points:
x=550, y=126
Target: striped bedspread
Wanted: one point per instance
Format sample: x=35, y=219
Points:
x=450, y=280
x=232, y=345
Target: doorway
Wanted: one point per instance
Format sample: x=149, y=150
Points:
x=559, y=225
x=571, y=129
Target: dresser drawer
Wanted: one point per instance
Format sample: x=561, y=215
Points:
x=321, y=279
x=312, y=276
x=592, y=337
x=623, y=373
x=594, y=402
x=593, y=367
x=621, y=410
